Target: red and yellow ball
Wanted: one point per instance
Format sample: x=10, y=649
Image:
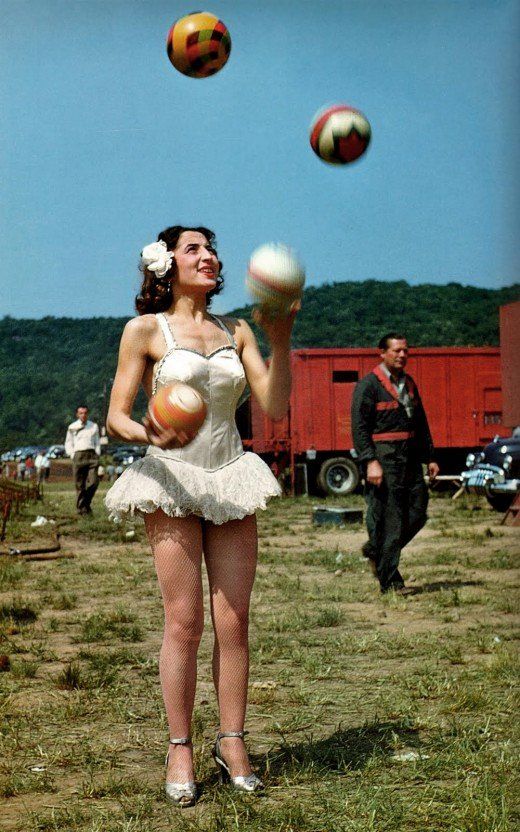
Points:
x=177, y=406
x=198, y=44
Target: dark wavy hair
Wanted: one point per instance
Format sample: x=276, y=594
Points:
x=156, y=293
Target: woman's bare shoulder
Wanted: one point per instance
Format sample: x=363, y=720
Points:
x=238, y=327
x=140, y=329
x=141, y=325
x=234, y=324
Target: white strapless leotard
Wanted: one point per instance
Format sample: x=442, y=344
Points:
x=212, y=476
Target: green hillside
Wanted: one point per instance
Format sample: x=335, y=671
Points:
x=49, y=365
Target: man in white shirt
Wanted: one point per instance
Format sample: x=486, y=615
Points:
x=42, y=467
x=83, y=446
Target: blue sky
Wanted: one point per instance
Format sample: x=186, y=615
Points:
x=104, y=143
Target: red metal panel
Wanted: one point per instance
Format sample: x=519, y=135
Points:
x=347, y=369
x=490, y=406
x=510, y=356
x=321, y=407
x=312, y=411
x=461, y=403
x=431, y=374
x=342, y=397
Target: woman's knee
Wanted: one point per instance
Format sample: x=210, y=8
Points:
x=184, y=625
x=232, y=624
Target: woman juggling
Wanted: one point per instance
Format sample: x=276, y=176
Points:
x=198, y=494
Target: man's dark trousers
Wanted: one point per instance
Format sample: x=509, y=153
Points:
x=396, y=510
x=86, y=478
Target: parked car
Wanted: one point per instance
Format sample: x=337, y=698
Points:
x=10, y=456
x=25, y=451
x=129, y=453
x=56, y=451
x=115, y=450
x=495, y=471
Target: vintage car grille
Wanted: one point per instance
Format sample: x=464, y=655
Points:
x=482, y=477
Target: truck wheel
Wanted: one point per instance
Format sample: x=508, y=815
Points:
x=338, y=476
x=500, y=502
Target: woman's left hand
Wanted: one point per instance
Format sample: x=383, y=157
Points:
x=277, y=327
x=166, y=438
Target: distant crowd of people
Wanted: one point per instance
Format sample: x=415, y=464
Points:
x=38, y=468
x=29, y=468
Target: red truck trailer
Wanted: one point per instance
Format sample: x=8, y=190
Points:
x=460, y=388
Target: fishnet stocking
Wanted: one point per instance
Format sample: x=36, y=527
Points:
x=177, y=547
x=230, y=552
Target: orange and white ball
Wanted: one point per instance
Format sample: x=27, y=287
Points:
x=275, y=277
x=177, y=406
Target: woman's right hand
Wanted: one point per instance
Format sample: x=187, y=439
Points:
x=277, y=326
x=166, y=438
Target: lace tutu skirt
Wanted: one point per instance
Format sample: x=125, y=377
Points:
x=179, y=488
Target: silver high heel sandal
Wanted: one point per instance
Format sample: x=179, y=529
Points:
x=183, y=794
x=243, y=782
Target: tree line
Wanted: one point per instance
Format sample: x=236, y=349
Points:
x=50, y=365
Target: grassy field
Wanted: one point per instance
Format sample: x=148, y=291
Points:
x=367, y=713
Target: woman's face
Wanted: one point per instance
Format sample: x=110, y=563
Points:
x=196, y=261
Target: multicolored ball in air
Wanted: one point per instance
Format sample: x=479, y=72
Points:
x=339, y=134
x=198, y=44
x=177, y=406
x=275, y=277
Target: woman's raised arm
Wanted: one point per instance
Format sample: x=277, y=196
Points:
x=270, y=385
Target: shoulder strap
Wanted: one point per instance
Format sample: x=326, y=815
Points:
x=385, y=382
x=223, y=326
x=166, y=330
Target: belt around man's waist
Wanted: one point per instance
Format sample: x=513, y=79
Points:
x=396, y=436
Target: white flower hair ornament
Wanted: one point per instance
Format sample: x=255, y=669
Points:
x=156, y=258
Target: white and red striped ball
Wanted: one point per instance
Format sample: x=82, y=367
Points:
x=340, y=134
x=177, y=406
x=275, y=277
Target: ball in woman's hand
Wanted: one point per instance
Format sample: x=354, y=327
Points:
x=177, y=406
x=275, y=277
